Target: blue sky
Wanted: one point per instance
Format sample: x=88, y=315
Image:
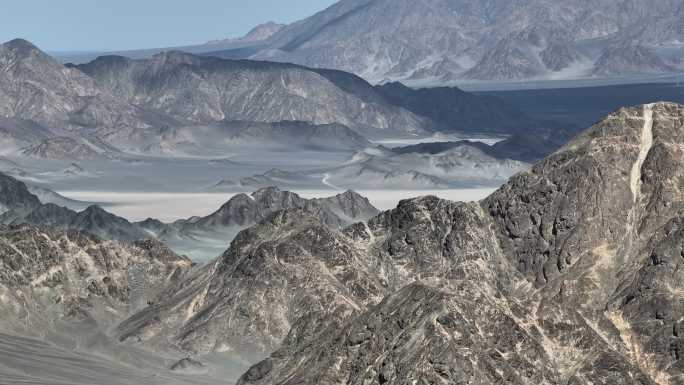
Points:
x=73, y=25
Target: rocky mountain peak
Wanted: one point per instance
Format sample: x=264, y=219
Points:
x=352, y=195
x=20, y=53
x=629, y=165
x=273, y=198
x=586, y=246
x=94, y=210
x=289, y=251
x=36, y=87
x=21, y=47
x=242, y=209
x=157, y=249
x=269, y=191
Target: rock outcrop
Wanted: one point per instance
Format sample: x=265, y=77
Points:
x=115, y=104
x=288, y=265
x=48, y=276
x=570, y=273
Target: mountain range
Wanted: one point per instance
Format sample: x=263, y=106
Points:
x=115, y=101
x=433, y=41
x=569, y=273
x=203, y=237
x=535, y=284
x=179, y=104
x=442, y=40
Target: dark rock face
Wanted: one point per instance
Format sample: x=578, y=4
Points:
x=454, y=110
x=38, y=88
x=648, y=306
x=442, y=334
x=547, y=226
x=426, y=238
x=530, y=147
x=288, y=265
x=569, y=274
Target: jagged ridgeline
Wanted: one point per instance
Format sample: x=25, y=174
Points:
x=18, y=205
x=179, y=104
x=571, y=273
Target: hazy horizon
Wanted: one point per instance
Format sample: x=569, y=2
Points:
x=83, y=26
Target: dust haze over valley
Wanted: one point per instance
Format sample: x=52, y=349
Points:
x=386, y=192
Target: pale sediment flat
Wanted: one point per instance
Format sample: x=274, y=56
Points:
x=25, y=360
x=168, y=207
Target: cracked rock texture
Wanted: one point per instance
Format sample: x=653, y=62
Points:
x=569, y=274
x=287, y=265
x=114, y=104
x=47, y=276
